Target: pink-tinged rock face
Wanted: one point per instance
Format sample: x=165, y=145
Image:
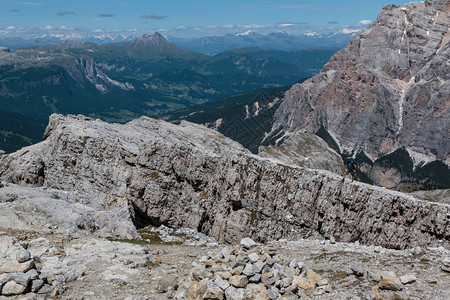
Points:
x=388, y=88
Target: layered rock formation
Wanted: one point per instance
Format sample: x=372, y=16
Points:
x=388, y=88
x=190, y=176
x=305, y=150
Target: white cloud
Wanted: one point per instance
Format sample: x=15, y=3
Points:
x=348, y=31
x=286, y=25
x=181, y=27
x=228, y=26
x=48, y=27
x=97, y=30
x=11, y=28
x=64, y=27
x=364, y=22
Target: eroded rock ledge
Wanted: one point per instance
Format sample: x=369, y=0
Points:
x=190, y=176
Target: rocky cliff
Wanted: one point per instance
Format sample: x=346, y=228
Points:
x=191, y=176
x=388, y=88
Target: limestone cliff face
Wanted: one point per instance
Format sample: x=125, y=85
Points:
x=188, y=175
x=305, y=150
x=388, y=88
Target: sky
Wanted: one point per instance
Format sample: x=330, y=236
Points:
x=185, y=18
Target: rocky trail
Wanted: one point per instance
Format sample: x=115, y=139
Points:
x=93, y=268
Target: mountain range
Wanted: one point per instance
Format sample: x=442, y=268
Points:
x=209, y=45
x=276, y=41
x=147, y=76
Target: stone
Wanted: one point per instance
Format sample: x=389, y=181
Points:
x=13, y=266
x=22, y=256
x=36, y=285
x=239, y=281
x=253, y=257
x=167, y=282
x=356, y=270
x=29, y=296
x=258, y=266
x=328, y=288
x=383, y=295
x=273, y=293
x=313, y=277
x=197, y=291
x=407, y=279
x=13, y=288
x=21, y=278
x=248, y=270
x=33, y=274
x=332, y=240
x=233, y=293
x=221, y=283
x=213, y=291
x=256, y=292
x=181, y=293
x=269, y=261
x=255, y=278
x=431, y=280
x=225, y=275
x=446, y=265
x=303, y=283
x=248, y=243
x=226, y=253
x=289, y=296
x=237, y=271
x=389, y=281
x=374, y=275
x=323, y=282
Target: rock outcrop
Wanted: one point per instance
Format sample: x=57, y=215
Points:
x=191, y=176
x=388, y=88
x=305, y=150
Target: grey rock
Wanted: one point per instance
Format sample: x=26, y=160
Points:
x=305, y=150
x=255, y=278
x=390, y=281
x=33, y=274
x=182, y=291
x=36, y=285
x=226, y=252
x=179, y=158
x=356, y=270
x=213, y=291
x=253, y=257
x=258, y=266
x=22, y=256
x=233, y=293
x=248, y=243
x=248, y=270
x=273, y=293
x=221, y=283
x=407, y=279
x=446, y=265
x=21, y=278
x=13, y=288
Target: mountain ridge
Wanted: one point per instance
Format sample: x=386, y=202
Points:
x=387, y=89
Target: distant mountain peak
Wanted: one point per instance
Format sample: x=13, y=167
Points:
x=154, y=38
x=155, y=45
x=246, y=33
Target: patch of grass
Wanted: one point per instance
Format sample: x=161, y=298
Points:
x=129, y=241
x=338, y=276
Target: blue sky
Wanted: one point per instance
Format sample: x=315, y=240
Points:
x=185, y=17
